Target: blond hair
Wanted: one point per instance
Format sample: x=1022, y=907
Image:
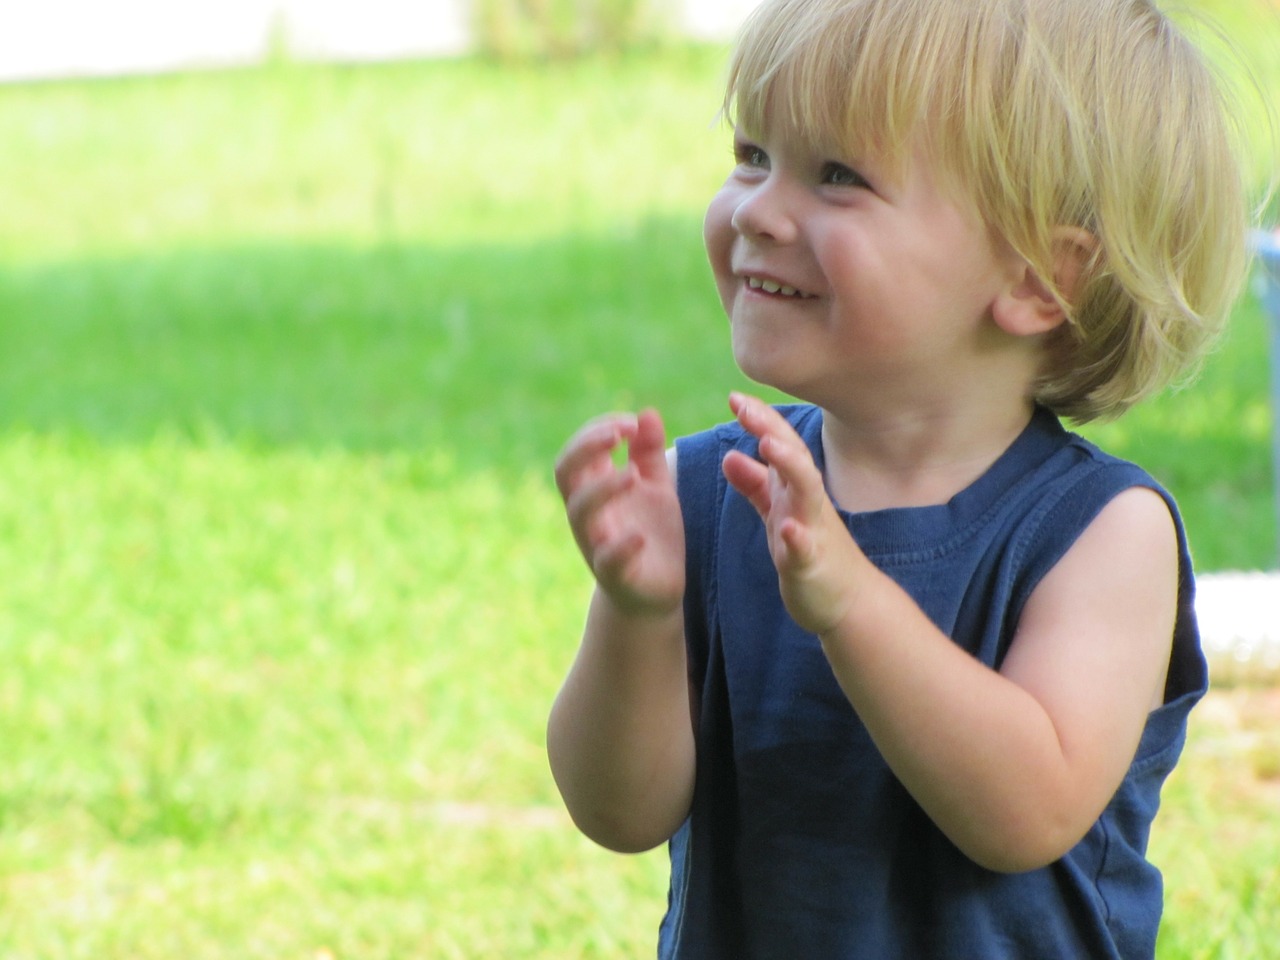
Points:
x=1094, y=114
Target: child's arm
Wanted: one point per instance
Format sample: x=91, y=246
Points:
x=1014, y=767
x=620, y=736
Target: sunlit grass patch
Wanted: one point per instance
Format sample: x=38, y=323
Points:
x=1216, y=837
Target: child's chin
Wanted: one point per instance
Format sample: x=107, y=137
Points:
x=765, y=371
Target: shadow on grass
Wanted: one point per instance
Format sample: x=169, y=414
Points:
x=490, y=357
x=491, y=354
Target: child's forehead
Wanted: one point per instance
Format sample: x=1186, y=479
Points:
x=860, y=116
x=829, y=100
x=831, y=131
x=785, y=131
x=783, y=111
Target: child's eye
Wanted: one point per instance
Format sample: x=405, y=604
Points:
x=749, y=155
x=839, y=175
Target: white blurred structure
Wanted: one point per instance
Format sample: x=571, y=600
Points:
x=1239, y=616
x=73, y=38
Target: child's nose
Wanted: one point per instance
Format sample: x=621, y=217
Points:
x=765, y=214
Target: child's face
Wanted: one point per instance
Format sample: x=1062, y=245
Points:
x=841, y=272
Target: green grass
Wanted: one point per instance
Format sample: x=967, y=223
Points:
x=285, y=356
x=258, y=703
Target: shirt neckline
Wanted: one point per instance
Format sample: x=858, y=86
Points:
x=897, y=528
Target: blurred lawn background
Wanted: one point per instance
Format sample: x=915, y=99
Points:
x=285, y=592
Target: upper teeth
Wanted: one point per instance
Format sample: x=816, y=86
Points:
x=768, y=286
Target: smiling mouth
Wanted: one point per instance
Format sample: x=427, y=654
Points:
x=780, y=289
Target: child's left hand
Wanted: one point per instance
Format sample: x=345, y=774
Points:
x=816, y=557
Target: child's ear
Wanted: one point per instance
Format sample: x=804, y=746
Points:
x=1030, y=306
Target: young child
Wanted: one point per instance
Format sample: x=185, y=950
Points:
x=899, y=671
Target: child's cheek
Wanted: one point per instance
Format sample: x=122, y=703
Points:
x=719, y=235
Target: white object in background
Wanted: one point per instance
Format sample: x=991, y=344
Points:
x=1239, y=615
x=86, y=38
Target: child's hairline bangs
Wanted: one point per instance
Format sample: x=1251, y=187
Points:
x=825, y=93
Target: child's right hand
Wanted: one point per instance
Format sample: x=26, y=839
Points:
x=627, y=519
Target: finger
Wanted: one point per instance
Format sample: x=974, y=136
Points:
x=764, y=422
x=589, y=497
x=794, y=464
x=648, y=446
x=750, y=478
x=613, y=559
x=796, y=484
x=798, y=541
x=589, y=451
x=780, y=446
x=758, y=417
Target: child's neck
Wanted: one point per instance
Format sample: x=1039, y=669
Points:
x=917, y=457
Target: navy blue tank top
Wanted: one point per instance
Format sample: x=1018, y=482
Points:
x=800, y=841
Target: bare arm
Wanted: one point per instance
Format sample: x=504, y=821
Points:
x=620, y=735
x=1014, y=767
